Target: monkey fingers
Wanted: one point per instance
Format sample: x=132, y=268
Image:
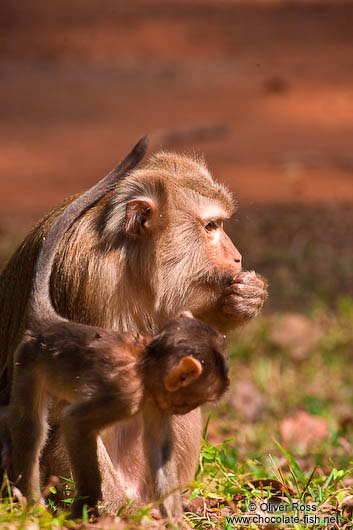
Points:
x=242, y=308
x=246, y=291
x=243, y=299
x=250, y=279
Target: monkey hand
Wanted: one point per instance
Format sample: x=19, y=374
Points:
x=244, y=298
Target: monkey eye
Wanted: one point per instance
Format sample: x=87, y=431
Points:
x=213, y=225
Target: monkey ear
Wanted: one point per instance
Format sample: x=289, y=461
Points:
x=138, y=217
x=186, y=371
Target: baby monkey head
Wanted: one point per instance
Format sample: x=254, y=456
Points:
x=187, y=365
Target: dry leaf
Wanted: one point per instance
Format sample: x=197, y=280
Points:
x=274, y=485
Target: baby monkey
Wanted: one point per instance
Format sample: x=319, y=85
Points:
x=106, y=377
x=97, y=377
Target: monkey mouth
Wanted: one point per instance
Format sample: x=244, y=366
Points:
x=223, y=279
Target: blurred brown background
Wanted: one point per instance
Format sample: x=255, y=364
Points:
x=262, y=88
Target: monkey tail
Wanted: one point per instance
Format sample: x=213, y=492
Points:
x=40, y=304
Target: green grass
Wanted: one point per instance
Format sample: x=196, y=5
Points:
x=255, y=433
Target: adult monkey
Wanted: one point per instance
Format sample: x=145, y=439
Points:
x=144, y=252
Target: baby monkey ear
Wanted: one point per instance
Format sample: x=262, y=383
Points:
x=186, y=371
x=138, y=217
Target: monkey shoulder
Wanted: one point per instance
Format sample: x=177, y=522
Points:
x=117, y=358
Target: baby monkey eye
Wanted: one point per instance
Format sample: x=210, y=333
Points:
x=213, y=225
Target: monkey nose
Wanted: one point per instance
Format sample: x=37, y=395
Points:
x=237, y=257
x=237, y=260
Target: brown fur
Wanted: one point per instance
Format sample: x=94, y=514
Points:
x=100, y=377
x=105, y=278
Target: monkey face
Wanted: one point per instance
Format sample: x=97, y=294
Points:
x=224, y=256
x=191, y=365
x=194, y=260
x=168, y=216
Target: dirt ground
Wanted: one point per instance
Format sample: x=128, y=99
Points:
x=263, y=88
